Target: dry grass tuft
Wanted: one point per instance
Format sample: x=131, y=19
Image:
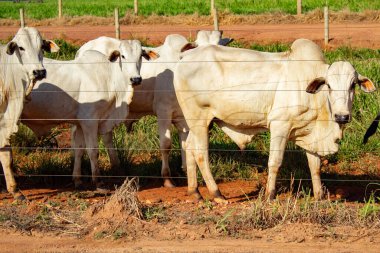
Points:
x=301, y=208
x=122, y=205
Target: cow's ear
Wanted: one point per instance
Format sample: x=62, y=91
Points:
x=189, y=46
x=366, y=84
x=114, y=56
x=315, y=85
x=149, y=55
x=49, y=46
x=225, y=41
x=11, y=47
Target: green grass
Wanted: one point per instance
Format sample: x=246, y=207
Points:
x=105, y=8
x=143, y=142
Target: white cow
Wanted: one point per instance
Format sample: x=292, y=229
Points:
x=250, y=92
x=91, y=92
x=20, y=67
x=156, y=94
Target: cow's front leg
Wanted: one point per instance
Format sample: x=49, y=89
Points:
x=90, y=133
x=315, y=169
x=278, y=140
x=201, y=155
x=6, y=162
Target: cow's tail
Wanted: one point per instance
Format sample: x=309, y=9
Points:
x=372, y=129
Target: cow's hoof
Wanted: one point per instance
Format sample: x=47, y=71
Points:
x=78, y=185
x=102, y=190
x=195, y=194
x=18, y=196
x=220, y=200
x=168, y=183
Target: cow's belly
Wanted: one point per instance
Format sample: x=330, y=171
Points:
x=242, y=111
x=244, y=120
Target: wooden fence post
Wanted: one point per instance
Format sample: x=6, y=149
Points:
x=212, y=7
x=326, y=12
x=136, y=7
x=22, y=18
x=216, y=22
x=59, y=9
x=117, y=25
x=299, y=7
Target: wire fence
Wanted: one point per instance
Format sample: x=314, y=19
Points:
x=189, y=119
x=183, y=177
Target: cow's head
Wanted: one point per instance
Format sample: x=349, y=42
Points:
x=341, y=79
x=130, y=59
x=27, y=47
x=205, y=38
x=211, y=38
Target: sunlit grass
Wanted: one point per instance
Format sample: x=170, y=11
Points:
x=72, y=8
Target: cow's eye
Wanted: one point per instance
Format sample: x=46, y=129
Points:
x=122, y=56
x=21, y=49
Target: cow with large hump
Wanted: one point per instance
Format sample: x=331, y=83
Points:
x=156, y=96
x=91, y=92
x=21, y=67
x=295, y=95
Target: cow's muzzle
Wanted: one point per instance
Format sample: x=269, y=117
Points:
x=342, y=119
x=136, y=80
x=39, y=74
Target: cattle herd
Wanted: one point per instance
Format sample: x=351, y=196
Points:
x=295, y=95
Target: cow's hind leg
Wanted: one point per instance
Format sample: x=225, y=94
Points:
x=6, y=162
x=78, y=144
x=315, y=170
x=183, y=132
x=164, y=124
x=192, y=183
x=112, y=153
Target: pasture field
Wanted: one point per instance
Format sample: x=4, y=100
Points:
x=71, y=8
x=130, y=220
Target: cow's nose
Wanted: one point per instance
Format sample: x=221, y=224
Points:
x=39, y=74
x=136, y=80
x=342, y=119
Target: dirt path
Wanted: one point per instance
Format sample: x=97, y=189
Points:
x=41, y=243
x=355, y=35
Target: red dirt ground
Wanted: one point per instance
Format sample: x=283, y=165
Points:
x=365, y=35
x=354, y=35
